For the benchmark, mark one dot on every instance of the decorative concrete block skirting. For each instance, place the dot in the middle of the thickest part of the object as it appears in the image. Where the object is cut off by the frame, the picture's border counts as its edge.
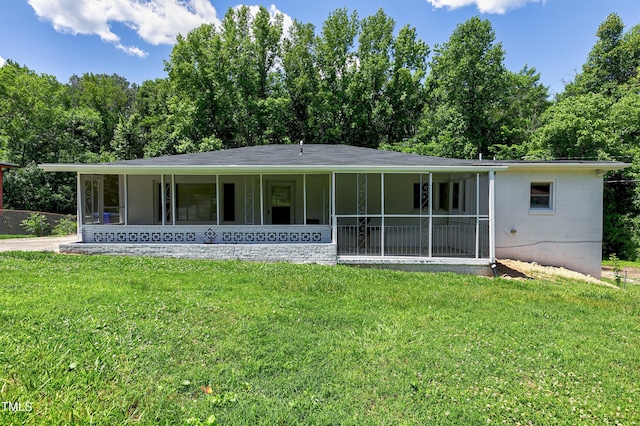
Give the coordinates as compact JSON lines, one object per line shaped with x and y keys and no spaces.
{"x":323,"y":254}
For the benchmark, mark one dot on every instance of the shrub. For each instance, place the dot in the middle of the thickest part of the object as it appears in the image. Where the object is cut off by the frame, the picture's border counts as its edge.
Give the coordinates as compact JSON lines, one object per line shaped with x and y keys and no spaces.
{"x":36,"y":224}
{"x":66,"y":226}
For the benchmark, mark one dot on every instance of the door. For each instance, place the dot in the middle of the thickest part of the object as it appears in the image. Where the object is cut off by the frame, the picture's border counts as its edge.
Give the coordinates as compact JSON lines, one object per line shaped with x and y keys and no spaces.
{"x":281,"y":197}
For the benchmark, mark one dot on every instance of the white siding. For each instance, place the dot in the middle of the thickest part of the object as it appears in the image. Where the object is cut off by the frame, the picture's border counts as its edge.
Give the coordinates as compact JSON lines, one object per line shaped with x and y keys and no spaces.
{"x":569,"y":236}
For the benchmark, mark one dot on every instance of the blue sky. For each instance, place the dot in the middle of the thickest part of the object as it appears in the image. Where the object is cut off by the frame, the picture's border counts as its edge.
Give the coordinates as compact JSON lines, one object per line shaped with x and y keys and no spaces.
{"x":132,"y":38}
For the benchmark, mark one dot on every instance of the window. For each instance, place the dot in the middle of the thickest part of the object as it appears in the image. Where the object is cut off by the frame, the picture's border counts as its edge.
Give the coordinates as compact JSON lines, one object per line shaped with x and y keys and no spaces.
{"x":541,"y":196}
{"x":455,"y":201}
{"x":229,"y":202}
{"x":443,"y":196}
{"x":196,"y":202}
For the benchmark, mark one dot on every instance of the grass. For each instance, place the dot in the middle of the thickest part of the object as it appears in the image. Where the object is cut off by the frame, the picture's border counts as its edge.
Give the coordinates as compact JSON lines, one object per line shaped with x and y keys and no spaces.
{"x":9,"y":237}
{"x":109,"y":340}
{"x":622,"y":263}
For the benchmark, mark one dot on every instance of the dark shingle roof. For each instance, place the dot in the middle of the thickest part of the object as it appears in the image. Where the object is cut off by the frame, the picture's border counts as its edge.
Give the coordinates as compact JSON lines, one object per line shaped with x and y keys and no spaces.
{"x":289,"y":155}
{"x":315,"y":158}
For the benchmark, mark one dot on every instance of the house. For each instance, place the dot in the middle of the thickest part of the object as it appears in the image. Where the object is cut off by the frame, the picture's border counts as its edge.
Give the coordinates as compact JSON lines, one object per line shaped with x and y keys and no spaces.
{"x":341,"y":204}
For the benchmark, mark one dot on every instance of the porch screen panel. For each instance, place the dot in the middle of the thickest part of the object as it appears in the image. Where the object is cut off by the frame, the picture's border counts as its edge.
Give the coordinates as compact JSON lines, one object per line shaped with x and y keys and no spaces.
{"x":195,"y":202}
{"x":359,"y":213}
{"x":102,"y":199}
{"x":318,"y":196}
{"x":91,"y":199}
{"x":196,"y":199}
{"x":113,"y":199}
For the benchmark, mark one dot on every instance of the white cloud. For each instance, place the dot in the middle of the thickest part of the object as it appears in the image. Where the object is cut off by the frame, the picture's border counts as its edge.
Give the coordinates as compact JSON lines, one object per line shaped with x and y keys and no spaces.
{"x":484,"y":6}
{"x":287,"y":21}
{"x":155,"y":21}
{"x":2,"y":61}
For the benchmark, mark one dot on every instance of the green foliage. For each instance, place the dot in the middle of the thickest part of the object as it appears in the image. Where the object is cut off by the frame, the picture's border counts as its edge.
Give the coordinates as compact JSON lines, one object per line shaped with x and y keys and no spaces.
{"x":36,"y":224}
{"x":616,"y":268}
{"x":577,"y":127}
{"x":166,"y":341}
{"x":475,"y":105}
{"x":66,"y":226}
{"x":29,"y":188}
{"x":612,"y":62}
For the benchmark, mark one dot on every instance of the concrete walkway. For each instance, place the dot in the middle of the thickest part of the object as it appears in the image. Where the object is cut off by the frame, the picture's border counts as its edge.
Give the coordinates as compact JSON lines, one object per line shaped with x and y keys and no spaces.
{"x":36,"y":244}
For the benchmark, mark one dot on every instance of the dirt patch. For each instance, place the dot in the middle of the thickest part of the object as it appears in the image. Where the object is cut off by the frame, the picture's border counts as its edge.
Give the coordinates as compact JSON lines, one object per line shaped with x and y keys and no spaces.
{"x":516,"y":269}
{"x":627,"y":275}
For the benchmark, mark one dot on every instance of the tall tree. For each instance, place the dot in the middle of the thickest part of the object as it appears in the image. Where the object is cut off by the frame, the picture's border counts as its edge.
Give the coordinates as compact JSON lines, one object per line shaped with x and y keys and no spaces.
{"x":301,"y":79}
{"x":405,"y":90}
{"x":336,"y":61}
{"x":520,"y":115}
{"x":612,"y":62}
{"x":224,"y":79}
{"x":111,"y":96}
{"x":466,"y":89}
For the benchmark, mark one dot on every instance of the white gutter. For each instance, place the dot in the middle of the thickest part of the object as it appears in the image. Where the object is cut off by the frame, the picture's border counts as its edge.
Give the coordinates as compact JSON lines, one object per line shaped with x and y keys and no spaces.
{"x":200,"y":170}
{"x":605,"y":166}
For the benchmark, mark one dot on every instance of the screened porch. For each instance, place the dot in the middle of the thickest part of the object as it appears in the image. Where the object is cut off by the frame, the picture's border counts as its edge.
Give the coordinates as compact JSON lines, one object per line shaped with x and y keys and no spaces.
{"x":429,"y":215}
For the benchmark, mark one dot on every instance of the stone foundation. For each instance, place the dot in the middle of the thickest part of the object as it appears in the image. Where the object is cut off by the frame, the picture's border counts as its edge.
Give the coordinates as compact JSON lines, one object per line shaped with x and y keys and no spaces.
{"x":323,"y":254}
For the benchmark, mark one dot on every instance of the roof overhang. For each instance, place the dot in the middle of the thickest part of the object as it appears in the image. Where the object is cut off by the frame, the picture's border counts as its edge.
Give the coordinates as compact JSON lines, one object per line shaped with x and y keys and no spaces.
{"x":231,"y":169}
{"x":602,"y":166}
{"x":7,"y":165}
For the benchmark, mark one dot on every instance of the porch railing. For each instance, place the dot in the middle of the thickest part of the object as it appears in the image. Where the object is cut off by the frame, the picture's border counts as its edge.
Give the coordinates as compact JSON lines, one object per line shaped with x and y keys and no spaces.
{"x":457,"y":240}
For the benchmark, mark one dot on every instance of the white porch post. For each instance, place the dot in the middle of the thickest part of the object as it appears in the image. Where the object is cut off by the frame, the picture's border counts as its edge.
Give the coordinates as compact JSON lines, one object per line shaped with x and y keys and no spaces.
{"x":477,"y":215}
{"x":492,"y":217}
{"x":173,"y":200}
{"x":334,"y":221}
{"x":163,"y":198}
{"x":304,"y":198}
{"x":80,"y":206}
{"x":261,"y":201}
{"x":430,"y":214}
{"x":126,"y":199}
{"x":218,"y":200}
{"x":382,"y":211}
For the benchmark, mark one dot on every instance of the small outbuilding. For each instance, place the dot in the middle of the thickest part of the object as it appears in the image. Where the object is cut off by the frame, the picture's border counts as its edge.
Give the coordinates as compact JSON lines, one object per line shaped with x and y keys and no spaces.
{"x":338,"y":204}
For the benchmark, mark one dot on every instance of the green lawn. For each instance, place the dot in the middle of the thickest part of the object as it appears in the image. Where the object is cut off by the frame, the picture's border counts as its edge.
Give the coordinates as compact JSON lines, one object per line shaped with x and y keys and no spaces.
{"x":111,"y":340}
{"x":10,"y":237}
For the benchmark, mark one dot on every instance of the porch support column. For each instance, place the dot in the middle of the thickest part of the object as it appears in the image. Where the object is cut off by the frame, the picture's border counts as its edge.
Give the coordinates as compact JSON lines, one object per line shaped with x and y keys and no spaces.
{"x":173,"y":200}
{"x":304,"y":198}
{"x":382,"y":211}
{"x":477,"y":215}
{"x":163,"y":198}
{"x":125,"y":178}
{"x":79,"y":206}
{"x":218,"y":200}
{"x":492,"y":218}
{"x":430,"y":214}
{"x":261,"y":201}
{"x":334,"y":221}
